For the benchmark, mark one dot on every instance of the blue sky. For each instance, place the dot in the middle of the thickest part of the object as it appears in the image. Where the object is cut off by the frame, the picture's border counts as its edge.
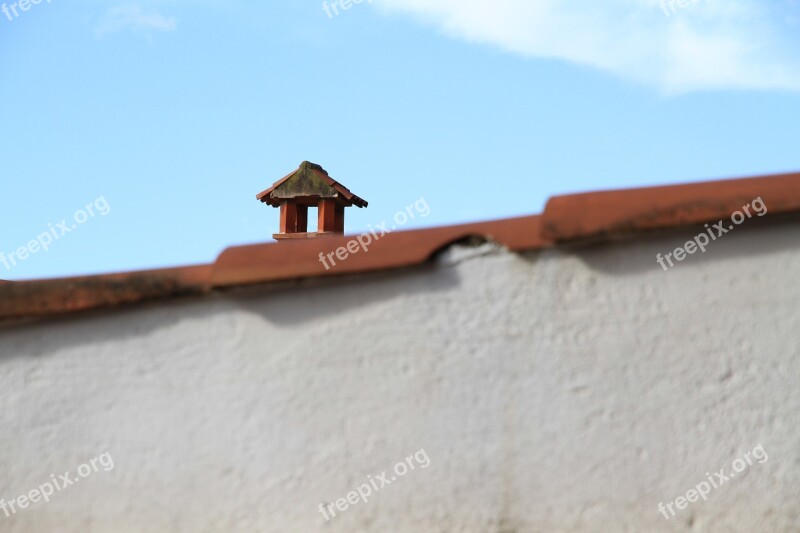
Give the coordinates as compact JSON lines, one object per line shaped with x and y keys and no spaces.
{"x":175,"y":114}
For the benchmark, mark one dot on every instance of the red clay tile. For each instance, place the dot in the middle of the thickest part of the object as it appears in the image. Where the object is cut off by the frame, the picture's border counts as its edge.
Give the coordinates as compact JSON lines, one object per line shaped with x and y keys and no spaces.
{"x":41,"y":298}
{"x":609,"y":213}
{"x":261,"y":263}
{"x":566,"y":218}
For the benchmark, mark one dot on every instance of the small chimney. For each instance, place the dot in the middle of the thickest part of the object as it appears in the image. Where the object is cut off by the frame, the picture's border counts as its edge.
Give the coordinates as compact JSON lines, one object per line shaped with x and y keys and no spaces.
{"x":309,"y":186}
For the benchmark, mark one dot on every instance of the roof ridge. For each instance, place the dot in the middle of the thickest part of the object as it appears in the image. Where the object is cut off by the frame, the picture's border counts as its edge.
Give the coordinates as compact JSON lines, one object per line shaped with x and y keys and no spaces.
{"x":566,"y":218}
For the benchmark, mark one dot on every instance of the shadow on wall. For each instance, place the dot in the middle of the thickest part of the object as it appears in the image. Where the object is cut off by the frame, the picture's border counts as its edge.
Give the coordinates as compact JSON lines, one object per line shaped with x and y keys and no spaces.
{"x":321,"y":297}
{"x":287,"y":303}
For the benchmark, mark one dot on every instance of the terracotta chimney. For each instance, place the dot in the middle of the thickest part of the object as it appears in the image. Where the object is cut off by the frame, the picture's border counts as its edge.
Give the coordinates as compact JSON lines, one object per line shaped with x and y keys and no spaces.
{"x":309,"y":186}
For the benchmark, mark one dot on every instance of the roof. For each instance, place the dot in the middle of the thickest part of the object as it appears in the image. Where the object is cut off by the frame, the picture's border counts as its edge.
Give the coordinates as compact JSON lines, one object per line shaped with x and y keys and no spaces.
{"x":573,"y":218}
{"x":312,"y":171}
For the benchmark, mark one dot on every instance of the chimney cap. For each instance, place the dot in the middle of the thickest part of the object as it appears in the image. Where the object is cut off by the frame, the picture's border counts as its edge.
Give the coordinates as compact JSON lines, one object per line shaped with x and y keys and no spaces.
{"x":309,"y":180}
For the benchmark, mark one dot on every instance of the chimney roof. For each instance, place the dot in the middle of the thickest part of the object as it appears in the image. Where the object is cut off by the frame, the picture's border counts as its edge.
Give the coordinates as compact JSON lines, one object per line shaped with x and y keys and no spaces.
{"x":308,"y":173}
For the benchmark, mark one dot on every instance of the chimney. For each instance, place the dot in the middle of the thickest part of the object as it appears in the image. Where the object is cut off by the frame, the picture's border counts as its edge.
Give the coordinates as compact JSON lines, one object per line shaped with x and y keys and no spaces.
{"x":309,"y":186}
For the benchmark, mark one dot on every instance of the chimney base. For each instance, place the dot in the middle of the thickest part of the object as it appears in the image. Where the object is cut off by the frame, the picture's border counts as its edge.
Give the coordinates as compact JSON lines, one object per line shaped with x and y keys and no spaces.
{"x":300,"y":236}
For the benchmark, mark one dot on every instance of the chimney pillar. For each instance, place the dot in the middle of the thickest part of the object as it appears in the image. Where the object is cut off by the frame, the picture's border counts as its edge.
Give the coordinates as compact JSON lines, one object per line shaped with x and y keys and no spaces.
{"x":288,"y":217}
{"x":339,"y":219}
{"x":327,"y":216}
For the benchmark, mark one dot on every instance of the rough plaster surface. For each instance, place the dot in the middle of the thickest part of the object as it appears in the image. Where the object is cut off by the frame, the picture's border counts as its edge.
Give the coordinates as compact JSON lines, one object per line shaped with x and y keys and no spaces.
{"x":568,"y":390}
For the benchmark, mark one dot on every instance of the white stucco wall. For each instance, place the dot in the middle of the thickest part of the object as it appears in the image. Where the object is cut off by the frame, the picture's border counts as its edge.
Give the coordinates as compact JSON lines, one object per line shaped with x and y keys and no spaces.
{"x":568,"y":390}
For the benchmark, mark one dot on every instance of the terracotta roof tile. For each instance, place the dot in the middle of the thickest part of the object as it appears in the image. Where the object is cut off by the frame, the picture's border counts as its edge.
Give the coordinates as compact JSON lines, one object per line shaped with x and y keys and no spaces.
{"x":609,"y":213}
{"x":301,"y":259}
{"x":574,"y":217}
{"x":41,"y":298}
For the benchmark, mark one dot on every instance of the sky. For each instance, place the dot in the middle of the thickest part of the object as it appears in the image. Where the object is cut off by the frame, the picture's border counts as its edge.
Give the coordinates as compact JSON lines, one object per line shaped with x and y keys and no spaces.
{"x":137,"y":134}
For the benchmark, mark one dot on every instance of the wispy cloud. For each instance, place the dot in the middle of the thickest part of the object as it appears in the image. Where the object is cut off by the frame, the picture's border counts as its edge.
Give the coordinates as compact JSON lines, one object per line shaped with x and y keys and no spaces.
{"x":133,"y":18}
{"x":705,"y":45}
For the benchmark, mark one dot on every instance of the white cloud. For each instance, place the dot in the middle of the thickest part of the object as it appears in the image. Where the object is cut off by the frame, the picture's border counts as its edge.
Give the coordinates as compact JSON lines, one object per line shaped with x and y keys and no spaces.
{"x":708,"y":44}
{"x":132,"y":17}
